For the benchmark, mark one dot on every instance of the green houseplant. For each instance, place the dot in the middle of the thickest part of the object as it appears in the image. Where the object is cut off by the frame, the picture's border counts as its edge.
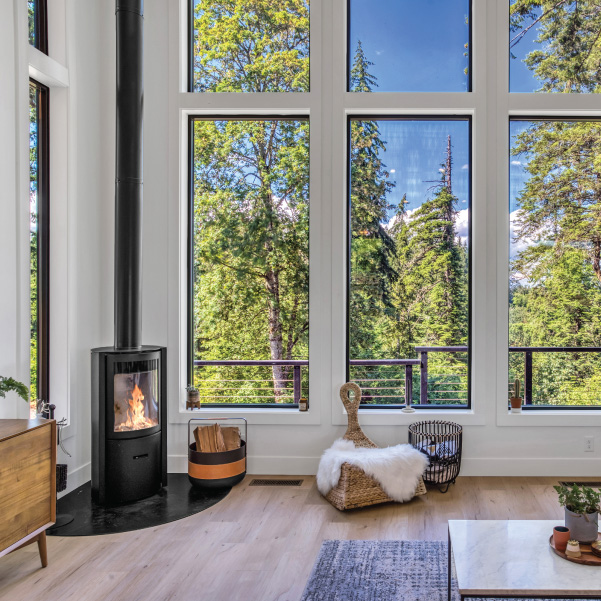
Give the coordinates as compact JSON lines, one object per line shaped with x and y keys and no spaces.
{"x":12,"y":385}
{"x":581,"y":511}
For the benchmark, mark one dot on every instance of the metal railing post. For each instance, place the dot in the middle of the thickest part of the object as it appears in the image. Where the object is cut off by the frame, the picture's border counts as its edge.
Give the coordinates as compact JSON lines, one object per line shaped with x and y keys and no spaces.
{"x":296,"y":383}
{"x":528,"y":378}
{"x":423,"y":378}
{"x":408,"y":385}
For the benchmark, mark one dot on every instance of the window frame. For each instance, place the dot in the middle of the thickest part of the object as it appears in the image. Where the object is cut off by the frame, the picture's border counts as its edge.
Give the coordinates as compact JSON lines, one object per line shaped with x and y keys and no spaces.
{"x":40,"y":12}
{"x":408,"y":117}
{"x":531,"y":118}
{"x":489,"y":104}
{"x":43,"y":234}
{"x":190,"y":251}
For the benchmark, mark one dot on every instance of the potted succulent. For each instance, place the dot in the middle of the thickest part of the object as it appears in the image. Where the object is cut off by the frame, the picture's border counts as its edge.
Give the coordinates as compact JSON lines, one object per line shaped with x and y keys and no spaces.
{"x":581,"y":510}
{"x":193,"y":400}
{"x":12,"y":385}
{"x":516,"y":399}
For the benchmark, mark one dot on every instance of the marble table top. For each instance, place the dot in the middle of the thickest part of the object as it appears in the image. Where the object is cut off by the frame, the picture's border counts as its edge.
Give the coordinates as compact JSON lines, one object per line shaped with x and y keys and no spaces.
{"x":513,"y":557}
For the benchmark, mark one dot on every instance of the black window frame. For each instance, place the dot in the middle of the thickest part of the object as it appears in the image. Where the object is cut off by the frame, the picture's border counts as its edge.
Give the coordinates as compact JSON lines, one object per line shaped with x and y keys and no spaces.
{"x":530,"y":118}
{"x":43,"y":233}
{"x":190,"y":250}
{"x":40,"y":25}
{"x":432,"y":117}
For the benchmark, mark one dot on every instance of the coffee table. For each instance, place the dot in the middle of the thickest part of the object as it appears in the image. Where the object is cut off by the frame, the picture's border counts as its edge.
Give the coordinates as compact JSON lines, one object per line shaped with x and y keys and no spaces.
{"x":496,"y":559}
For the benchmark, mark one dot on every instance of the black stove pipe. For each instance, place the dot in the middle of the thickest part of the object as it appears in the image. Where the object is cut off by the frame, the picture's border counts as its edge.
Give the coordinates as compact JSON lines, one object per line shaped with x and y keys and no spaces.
{"x":128,"y":174}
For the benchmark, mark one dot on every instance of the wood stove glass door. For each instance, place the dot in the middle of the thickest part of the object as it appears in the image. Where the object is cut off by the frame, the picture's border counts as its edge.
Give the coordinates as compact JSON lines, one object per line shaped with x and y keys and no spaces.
{"x":136,"y":395}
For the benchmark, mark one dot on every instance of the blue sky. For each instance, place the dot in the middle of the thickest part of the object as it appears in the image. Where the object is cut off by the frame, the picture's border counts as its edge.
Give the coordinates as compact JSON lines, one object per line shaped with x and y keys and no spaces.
{"x":415,"y":150}
{"x":416,"y":46}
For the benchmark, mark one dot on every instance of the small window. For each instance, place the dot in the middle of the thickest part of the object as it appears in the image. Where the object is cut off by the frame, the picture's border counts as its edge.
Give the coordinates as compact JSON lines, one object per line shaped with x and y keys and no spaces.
{"x":38,"y":24}
{"x":554,"y":46}
{"x":249,"y":47}
{"x":409,"y":239}
{"x":39,"y":239}
{"x":409,"y":46}
{"x":249,"y":261}
{"x":555,"y":262}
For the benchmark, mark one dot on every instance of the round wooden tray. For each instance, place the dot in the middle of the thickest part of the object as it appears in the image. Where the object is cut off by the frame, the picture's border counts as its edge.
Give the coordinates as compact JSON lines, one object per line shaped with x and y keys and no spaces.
{"x":587,"y":557}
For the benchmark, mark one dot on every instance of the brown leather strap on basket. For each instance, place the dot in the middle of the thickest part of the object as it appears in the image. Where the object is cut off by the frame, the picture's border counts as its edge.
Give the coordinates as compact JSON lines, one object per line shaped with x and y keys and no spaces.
{"x":354,"y":432}
{"x":215,"y":472}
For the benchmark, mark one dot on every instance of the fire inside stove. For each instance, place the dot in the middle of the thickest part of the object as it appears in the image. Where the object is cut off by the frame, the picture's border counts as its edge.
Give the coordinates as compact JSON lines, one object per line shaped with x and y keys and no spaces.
{"x":136,"y":406}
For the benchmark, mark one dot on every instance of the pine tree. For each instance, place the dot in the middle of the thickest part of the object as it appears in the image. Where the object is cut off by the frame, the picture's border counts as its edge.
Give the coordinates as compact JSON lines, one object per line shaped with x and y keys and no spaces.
{"x":371,"y":244}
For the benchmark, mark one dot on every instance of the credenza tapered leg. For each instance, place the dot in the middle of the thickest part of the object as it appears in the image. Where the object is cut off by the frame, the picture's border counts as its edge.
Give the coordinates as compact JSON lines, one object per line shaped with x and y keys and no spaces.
{"x":42,"y":548}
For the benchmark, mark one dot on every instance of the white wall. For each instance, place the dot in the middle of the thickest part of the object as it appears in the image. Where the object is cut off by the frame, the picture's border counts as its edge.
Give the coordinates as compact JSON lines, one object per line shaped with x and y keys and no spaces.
{"x":490,"y":447}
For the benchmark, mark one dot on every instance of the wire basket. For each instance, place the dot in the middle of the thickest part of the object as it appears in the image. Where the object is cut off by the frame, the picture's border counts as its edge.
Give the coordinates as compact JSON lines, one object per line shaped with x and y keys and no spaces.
{"x":441,"y":442}
{"x":61,"y":477}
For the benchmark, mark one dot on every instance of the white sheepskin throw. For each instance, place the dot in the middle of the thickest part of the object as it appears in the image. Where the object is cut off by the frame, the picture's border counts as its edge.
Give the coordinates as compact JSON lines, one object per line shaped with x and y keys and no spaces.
{"x":397,"y":469}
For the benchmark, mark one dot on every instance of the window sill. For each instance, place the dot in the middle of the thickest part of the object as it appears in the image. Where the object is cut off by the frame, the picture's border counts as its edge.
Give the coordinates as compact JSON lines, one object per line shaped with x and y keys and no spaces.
{"x":550,"y":417}
{"x":395,"y":417}
{"x":253,"y":416}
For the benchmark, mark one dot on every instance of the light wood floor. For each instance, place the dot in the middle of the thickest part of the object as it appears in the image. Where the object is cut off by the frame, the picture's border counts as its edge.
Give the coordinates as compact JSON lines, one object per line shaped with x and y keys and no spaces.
{"x":258,"y":544}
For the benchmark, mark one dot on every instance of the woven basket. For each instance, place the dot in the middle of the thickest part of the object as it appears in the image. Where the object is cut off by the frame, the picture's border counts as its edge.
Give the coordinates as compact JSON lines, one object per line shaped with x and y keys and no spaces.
{"x":355,"y":488}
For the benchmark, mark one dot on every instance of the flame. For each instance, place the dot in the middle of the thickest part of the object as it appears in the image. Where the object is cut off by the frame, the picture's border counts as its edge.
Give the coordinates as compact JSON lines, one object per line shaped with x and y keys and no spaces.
{"x":136,"y":420}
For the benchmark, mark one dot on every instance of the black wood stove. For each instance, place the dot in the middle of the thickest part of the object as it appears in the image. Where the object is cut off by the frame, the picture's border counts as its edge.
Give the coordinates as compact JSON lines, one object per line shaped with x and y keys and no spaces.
{"x":129,"y":384}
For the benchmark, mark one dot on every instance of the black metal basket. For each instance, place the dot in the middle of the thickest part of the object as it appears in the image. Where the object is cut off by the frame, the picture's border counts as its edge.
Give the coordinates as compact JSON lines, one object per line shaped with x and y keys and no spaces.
{"x":441,"y":442}
{"x":61,"y":477}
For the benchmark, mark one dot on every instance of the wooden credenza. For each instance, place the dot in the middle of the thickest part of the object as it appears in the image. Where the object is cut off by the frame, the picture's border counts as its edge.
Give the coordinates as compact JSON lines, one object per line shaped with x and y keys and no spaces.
{"x":27,"y":483}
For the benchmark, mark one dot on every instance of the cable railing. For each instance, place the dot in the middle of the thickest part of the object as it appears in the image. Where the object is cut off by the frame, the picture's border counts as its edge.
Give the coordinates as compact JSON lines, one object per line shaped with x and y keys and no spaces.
{"x":384,"y":382}
{"x":438,"y":377}
{"x":558,"y":382}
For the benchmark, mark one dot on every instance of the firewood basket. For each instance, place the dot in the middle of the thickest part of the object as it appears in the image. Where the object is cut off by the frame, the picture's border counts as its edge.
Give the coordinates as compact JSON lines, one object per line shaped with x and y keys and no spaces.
{"x":220,"y":469}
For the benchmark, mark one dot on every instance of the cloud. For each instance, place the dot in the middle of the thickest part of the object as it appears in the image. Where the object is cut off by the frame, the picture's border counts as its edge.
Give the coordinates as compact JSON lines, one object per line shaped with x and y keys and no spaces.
{"x":518,"y":163}
{"x":462,"y":224}
{"x":466,"y":166}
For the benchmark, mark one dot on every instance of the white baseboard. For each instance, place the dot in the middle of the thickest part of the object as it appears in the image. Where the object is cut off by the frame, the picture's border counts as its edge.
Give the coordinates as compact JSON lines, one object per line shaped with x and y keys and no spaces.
{"x":77,"y":477}
{"x":303,"y":466}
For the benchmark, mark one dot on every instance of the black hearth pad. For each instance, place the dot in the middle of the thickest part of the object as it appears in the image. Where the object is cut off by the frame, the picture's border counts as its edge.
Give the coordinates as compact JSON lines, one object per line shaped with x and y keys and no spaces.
{"x":176,"y":501}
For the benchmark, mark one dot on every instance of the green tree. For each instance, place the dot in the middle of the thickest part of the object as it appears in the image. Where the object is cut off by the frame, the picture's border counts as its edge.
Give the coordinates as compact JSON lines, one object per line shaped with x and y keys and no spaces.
{"x":251,"y":188}
{"x":569,"y":57}
{"x":251,"y":46}
{"x":556,"y":278}
{"x":371,"y":244}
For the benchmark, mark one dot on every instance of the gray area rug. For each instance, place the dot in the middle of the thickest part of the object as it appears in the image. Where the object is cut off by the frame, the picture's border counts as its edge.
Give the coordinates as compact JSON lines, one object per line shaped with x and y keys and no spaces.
{"x":386,"y":570}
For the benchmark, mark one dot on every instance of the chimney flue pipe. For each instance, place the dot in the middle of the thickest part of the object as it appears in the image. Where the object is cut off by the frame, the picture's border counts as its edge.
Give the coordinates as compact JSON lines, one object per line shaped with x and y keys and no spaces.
{"x":128,"y":174}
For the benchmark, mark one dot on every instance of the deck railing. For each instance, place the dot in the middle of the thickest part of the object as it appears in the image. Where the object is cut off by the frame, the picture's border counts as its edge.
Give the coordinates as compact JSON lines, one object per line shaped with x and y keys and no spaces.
{"x":379,"y":389}
{"x":384,"y":382}
{"x":529,"y":353}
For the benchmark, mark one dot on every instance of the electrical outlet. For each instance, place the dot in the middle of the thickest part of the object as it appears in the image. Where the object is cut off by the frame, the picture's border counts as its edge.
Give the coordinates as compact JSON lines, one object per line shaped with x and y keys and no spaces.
{"x":589,"y":444}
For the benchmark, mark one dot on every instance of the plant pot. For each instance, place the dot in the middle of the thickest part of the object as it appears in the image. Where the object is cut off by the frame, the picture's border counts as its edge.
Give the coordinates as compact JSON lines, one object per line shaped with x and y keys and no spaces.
{"x":583,"y":527}
{"x":193,"y":400}
{"x":561,"y":536}
{"x":516,"y":404}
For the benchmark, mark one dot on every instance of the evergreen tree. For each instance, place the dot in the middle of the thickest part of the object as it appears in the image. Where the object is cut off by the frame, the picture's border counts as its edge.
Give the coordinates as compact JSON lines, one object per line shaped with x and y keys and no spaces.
{"x":371,"y":244}
{"x":569,"y":58}
{"x":556,"y":285}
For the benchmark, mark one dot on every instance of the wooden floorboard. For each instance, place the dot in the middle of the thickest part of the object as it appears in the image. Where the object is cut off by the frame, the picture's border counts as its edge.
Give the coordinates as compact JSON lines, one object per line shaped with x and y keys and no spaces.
{"x":258,"y":544}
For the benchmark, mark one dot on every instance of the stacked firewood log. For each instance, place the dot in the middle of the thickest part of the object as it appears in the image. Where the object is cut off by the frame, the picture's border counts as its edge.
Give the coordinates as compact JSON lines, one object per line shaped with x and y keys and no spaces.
{"x":216,"y":439}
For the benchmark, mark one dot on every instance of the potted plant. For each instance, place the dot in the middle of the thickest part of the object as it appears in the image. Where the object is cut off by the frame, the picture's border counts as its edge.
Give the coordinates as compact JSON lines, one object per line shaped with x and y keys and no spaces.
{"x":12,"y":385}
{"x":581,"y":510}
{"x":193,"y":400}
{"x":516,"y":399}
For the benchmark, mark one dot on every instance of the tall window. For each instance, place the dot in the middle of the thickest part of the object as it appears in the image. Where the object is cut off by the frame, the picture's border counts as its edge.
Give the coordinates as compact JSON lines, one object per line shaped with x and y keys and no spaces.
{"x":38,"y":24}
{"x":555,"y":209}
{"x":39,"y":239}
{"x":249,"y":260}
{"x":249,"y":208}
{"x":409,"y":259}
